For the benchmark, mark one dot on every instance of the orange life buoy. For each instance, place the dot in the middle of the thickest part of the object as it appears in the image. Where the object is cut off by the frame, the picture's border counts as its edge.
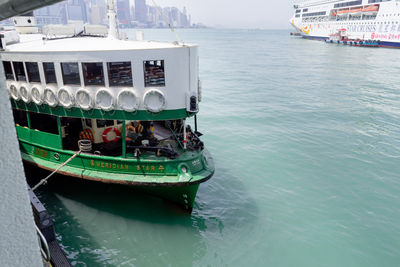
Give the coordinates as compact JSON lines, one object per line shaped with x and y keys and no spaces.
{"x":107,"y":138}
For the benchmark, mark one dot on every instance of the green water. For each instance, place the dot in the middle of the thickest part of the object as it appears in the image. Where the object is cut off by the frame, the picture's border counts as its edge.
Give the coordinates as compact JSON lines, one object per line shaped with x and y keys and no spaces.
{"x":306,"y":142}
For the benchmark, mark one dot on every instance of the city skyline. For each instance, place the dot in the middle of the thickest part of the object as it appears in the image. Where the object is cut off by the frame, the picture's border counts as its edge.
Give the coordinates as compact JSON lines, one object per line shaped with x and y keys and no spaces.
{"x":95,"y":12}
{"x":253,"y":14}
{"x":264,"y":14}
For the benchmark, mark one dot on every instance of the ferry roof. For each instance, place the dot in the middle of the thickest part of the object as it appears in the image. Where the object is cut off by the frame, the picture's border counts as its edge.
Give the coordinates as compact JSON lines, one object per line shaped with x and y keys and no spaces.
{"x":35,"y":43}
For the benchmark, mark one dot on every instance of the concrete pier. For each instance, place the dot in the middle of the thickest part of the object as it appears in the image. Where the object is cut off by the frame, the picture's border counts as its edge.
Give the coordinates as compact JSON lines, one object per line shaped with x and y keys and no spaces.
{"x":19,"y":243}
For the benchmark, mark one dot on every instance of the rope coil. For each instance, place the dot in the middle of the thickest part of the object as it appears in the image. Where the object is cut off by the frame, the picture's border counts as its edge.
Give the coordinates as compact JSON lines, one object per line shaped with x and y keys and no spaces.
{"x":85,"y":145}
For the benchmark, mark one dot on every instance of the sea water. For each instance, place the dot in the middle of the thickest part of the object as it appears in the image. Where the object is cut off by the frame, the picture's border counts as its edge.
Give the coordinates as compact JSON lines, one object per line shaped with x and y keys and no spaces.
{"x":306,"y":141}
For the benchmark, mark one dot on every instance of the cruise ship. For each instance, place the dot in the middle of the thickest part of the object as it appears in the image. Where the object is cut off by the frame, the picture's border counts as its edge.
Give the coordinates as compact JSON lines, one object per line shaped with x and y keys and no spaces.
{"x":360,"y":20}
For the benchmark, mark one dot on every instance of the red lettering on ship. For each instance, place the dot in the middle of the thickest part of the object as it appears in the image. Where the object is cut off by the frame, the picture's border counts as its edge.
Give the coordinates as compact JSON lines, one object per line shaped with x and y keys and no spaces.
{"x":41,"y":153}
{"x":390,"y":36}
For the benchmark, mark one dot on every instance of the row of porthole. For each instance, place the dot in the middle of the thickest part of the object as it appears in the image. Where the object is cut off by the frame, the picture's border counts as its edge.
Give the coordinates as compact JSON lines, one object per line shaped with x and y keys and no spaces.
{"x":127,"y":99}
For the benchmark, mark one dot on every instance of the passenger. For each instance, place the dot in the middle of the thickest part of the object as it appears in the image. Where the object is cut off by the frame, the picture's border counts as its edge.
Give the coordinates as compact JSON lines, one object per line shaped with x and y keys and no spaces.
{"x":134,"y":131}
{"x":152,"y":138}
{"x":131,"y":134}
{"x":138,"y":127}
{"x":148,"y":133}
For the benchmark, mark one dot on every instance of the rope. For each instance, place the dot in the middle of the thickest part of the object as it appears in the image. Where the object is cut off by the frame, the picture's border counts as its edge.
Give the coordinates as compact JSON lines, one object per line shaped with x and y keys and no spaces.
{"x":176,"y":138}
{"x":166,"y":21}
{"x":44,"y":181}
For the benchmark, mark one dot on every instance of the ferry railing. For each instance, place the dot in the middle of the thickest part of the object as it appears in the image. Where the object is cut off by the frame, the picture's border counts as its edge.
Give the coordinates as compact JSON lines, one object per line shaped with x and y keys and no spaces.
{"x":44,"y":247}
{"x":45,"y":229}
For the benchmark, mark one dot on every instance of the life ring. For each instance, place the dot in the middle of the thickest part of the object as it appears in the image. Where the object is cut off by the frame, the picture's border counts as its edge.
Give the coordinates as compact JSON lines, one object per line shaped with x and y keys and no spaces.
{"x":154,"y":100}
{"x":107,"y":138}
{"x":87,"y":134}
{"x":84,"y":99}
{"x":66,"y":97}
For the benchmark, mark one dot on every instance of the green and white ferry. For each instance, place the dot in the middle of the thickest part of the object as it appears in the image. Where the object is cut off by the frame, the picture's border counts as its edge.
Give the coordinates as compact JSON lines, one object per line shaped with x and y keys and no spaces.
{"x":117,"y":107}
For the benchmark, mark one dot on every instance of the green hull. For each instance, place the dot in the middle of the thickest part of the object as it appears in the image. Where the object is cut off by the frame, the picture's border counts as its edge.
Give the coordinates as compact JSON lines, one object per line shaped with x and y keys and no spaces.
{"x":184,"y":195}
{"x":157,"y":176}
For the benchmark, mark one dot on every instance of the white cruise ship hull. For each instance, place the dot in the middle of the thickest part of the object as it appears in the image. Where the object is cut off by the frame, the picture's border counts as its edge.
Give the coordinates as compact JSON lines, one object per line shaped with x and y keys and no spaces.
{"x":360,"y":19}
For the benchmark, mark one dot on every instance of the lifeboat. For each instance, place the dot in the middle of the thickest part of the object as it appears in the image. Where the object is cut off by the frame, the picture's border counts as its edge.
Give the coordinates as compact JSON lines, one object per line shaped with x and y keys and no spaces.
{"x":373,"y":8}
{"x":343,"y":12}
{"x":355,"y":10}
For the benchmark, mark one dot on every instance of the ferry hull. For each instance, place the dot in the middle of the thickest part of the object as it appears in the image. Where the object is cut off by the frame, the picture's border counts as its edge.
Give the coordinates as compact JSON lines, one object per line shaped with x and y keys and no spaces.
{"x":381,"y":44}
{"x":179,"y":189}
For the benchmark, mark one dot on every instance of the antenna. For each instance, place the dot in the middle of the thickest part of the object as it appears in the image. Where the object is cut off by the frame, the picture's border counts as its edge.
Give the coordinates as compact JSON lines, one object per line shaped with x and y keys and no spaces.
{"x":112,"y":20}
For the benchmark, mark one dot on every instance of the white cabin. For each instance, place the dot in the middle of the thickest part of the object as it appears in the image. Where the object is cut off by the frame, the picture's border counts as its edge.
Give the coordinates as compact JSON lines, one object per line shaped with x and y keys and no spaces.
{"x":101,"y":73}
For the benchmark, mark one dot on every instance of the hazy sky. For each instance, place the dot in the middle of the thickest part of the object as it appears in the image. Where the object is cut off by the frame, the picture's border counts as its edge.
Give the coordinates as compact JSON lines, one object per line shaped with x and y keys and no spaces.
{"x":265,"y":14}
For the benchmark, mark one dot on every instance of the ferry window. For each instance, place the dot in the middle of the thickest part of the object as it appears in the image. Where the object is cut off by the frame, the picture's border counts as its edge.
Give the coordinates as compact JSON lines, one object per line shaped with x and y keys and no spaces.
{"x":154,"y":73}
{"x":8,"y":70}
{"x":88,"y":123}
{"x":20,"y":117}
{"x":70,"y":72}
{"x":33,"y":72}
{"x":43,"y":122}
{"x":104,"y":123}
{"x":49,"y":72}
{"x":19,"y":71}
{"x":120,"y":73}
{"x":93,"y":73}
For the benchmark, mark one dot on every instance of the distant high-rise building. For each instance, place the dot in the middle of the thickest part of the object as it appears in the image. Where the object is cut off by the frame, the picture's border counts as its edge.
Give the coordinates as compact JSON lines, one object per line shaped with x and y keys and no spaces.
{"x":141,"y":11}
{"x":97,"y":14}
{"x":76,"y":10}
{"x":184,"y":19}
{"x":54,"y":14}
{"x":123,"y":11}
{"x":175,"y":17}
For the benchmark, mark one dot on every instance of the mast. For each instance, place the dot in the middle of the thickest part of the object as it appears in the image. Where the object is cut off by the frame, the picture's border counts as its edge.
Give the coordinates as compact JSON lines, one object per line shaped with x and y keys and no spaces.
{"x":112,"y":20}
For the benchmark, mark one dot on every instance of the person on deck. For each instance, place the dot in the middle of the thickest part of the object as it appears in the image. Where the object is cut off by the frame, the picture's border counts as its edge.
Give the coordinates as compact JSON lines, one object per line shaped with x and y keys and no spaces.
{"x":134,"y":130}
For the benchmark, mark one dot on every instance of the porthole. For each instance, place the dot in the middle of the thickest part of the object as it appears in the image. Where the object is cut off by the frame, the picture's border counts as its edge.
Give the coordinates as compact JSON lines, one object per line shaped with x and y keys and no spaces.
{"x":127,"y":100}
